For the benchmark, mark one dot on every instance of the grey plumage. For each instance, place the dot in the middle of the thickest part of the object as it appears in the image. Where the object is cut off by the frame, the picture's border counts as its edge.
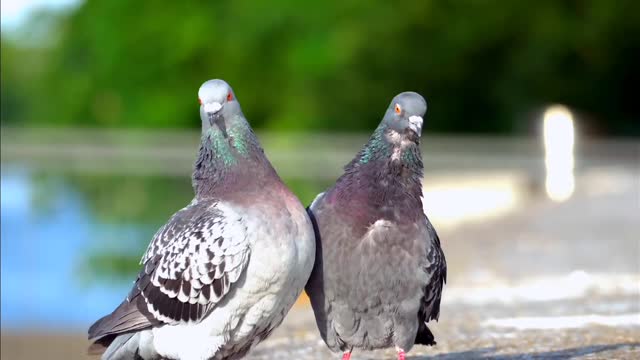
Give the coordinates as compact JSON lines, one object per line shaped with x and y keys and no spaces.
{"x":379,"y":267}
{"x":211,"y":285}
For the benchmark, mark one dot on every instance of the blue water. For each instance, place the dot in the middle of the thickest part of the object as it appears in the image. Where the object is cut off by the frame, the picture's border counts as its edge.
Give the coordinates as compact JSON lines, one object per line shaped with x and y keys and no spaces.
{"x":42,"y":254}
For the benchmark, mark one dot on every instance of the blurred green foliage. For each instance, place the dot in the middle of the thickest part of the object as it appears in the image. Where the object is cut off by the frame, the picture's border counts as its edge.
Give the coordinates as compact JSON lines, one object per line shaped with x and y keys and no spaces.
{"x":144,"y":201}
{"x":484,"y":66}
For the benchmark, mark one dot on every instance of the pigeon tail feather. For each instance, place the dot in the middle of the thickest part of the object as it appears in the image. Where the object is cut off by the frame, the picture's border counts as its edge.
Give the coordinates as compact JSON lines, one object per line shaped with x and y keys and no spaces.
{"x":425,"y":336}
{"x":125,"y":318}
{"x":123,"y":347}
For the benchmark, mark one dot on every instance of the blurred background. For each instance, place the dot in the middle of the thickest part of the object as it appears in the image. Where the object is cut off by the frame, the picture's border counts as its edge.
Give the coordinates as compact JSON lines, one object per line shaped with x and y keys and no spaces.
{"x":531,"y":149}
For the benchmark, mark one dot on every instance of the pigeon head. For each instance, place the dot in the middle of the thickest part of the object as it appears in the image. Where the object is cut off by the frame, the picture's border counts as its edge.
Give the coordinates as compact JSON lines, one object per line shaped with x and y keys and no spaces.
{"x":404,"y":116}
{"x":228,"y":145}
{"x":218,"y":104}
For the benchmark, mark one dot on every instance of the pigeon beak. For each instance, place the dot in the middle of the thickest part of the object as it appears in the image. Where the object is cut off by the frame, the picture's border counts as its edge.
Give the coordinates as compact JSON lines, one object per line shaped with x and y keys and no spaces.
{"x":212,"y":110}
{"x":212,"y":107}
{"x":415,"y":124}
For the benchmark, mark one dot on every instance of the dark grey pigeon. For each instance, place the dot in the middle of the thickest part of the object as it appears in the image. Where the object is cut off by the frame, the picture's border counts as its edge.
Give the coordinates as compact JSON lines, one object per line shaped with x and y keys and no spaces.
{"x":220,"y":276}
{"x":379,"y":268}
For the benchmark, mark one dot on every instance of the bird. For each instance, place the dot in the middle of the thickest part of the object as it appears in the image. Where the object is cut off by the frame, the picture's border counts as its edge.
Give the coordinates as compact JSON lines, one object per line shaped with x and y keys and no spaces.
{"x":380,"y":269}
{"x":223,"y":272}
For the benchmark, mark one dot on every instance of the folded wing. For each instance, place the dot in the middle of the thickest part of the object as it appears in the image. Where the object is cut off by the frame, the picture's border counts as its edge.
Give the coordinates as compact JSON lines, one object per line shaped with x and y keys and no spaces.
{"x":191,"y":264}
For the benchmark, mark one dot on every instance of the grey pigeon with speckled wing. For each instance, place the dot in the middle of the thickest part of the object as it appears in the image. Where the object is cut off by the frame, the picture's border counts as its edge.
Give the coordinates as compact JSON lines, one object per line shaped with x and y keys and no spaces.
{"x":379,"y":269}
{"x":220,"y":276}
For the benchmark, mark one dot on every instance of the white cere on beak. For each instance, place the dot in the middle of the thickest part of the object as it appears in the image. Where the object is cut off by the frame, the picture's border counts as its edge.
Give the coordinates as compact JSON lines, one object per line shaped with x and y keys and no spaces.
{"x":416,"y":123}
{"x":212,"y":107}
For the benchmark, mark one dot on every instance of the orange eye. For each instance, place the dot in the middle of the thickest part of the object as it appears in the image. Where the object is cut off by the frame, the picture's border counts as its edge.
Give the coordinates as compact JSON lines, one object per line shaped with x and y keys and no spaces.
{"x":229,"y":96}
{"x":200,"y":101}
{"x":398,"y":109}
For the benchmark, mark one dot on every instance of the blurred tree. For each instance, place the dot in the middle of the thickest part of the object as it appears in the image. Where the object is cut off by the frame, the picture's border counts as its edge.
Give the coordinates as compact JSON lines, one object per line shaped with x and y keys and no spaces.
{"x":482,"y":65}
{"x":21,"y":68}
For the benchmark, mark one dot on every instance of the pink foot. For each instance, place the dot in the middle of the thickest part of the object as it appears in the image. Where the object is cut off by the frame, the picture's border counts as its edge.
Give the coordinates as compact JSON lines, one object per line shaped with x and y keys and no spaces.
{"x":346,"y":355}
{"x":401,"y":355}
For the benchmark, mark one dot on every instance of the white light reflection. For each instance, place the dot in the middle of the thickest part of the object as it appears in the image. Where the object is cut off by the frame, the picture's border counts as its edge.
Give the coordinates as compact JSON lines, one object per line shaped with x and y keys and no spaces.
{"x":565,"y":322}
{"x":558,"y":146}
{"x":452,"y":199}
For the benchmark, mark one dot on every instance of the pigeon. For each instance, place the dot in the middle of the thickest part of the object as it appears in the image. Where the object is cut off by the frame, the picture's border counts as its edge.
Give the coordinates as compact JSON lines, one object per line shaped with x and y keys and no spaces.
{"x":379,"y":269}
{"x":222,"y":273}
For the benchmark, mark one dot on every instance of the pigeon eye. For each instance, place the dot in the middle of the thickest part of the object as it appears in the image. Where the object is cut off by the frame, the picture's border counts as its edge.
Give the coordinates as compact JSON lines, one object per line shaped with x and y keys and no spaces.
{"x":200,"y":101}
{"x":398,"y":109}
{"x":229,"y":96}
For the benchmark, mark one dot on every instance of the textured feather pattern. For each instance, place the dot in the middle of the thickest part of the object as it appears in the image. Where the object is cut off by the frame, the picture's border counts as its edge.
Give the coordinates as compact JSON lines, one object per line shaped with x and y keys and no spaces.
{"x":377,"y":286}
{"x":192,"y":262}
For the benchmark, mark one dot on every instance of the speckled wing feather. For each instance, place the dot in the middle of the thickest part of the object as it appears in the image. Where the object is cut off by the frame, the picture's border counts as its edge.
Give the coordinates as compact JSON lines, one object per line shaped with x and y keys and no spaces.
{"x":191,"y":264}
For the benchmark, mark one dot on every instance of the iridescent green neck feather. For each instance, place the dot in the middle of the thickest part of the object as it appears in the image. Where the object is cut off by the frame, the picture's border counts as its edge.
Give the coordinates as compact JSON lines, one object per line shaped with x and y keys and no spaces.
{"x":383,"y":162}
{"x":220,"y":156}
{"x":219,"y":146}
{"x":377,"y":147}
